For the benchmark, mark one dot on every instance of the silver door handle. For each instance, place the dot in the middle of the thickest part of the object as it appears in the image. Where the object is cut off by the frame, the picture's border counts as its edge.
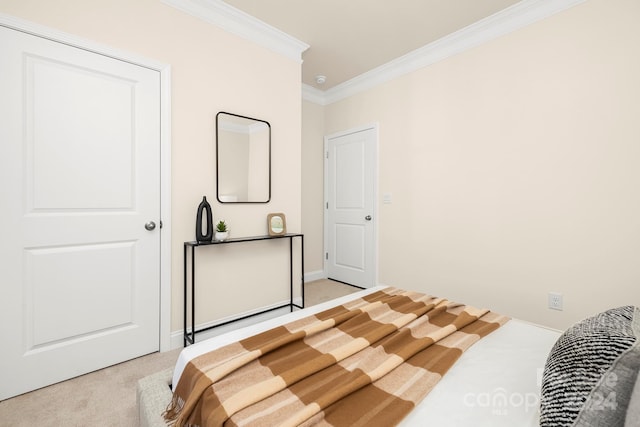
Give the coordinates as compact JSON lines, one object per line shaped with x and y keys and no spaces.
{"x":150,"y":225}
{"x":368,"y":217}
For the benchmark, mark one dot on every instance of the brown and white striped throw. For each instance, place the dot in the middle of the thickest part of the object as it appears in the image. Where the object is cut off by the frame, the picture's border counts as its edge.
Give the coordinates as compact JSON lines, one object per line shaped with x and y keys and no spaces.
{"x":366,"y":362}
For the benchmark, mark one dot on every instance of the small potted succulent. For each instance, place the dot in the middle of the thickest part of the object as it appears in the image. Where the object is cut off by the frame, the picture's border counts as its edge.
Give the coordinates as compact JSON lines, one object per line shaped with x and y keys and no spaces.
{"x":221,"y":231}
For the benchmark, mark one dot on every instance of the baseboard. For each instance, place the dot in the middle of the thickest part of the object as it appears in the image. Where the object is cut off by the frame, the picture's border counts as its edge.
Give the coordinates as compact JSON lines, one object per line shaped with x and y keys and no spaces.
{"x":177,"y":338}
{"x":314,"y":275}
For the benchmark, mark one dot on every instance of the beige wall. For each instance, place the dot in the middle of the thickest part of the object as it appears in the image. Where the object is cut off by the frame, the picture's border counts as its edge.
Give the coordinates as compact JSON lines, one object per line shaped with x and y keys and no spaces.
{"x":515,"y":168}
{"x":212,"y":71}
{"x":313,"y":186}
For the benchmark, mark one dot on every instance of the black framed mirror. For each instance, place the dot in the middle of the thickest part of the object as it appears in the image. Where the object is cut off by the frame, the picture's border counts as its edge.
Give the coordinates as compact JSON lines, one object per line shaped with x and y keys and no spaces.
{"x":243,"y":159}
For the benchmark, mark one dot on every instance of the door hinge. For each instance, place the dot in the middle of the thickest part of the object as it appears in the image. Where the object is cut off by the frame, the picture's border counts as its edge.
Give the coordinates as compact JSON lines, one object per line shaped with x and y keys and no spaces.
{"x":326,"y":154}
{"x":327,"y":205}
{"x":326,"y":255}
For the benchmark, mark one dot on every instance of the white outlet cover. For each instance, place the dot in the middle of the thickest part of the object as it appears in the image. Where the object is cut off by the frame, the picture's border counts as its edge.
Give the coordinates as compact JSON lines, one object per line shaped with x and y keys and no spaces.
{"x":555,"y":301}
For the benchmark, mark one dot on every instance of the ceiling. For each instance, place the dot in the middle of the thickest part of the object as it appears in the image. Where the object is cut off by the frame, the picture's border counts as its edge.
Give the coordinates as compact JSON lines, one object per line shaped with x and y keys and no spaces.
{"x":350,"y":37}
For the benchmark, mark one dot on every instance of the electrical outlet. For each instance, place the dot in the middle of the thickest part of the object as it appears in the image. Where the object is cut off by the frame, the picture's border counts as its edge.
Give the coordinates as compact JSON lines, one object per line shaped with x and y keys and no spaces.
{"x":555,"y":301}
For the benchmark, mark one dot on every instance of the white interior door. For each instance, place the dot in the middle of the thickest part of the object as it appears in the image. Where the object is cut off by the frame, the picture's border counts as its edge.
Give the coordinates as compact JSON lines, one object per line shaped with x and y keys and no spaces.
{"x":350,"y":170}
{"x":80,"y":174}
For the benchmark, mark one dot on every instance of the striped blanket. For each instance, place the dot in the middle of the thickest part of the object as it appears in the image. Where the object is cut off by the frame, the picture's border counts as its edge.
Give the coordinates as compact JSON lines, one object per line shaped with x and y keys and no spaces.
{"x":366,"y":362}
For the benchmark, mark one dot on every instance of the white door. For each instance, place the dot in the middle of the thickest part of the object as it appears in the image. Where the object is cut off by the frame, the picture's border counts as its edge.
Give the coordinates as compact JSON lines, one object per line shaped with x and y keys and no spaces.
{"x":350,"y":170}
{"x":79,"y":173}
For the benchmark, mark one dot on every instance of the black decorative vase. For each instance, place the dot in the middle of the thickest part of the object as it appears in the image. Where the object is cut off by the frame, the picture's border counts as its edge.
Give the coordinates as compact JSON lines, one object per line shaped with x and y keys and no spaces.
{"x":204,"y":207}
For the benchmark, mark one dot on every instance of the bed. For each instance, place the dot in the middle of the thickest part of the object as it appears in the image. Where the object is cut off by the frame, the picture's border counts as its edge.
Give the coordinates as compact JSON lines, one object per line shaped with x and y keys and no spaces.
{"x":495,"y":382}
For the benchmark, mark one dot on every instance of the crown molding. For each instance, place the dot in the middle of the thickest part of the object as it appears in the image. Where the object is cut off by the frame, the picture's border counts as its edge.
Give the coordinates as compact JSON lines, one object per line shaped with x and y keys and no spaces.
{"x":519,"y":15}
{"x":312,"y":94}
{"x":235,"y":21}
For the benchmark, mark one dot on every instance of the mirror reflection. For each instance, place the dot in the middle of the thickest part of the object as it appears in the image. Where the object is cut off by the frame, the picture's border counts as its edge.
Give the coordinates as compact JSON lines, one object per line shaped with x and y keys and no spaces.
{"x":243,"y":159}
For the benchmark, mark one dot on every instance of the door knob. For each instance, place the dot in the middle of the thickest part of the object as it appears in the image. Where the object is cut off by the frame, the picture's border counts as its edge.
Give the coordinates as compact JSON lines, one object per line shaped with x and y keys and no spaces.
{"x":368,"y":217}
{"x":150,"y":225}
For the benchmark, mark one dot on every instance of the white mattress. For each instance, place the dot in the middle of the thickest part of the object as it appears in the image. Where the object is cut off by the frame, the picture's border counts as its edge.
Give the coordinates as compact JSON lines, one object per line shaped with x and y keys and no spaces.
{"x":494,"y":383}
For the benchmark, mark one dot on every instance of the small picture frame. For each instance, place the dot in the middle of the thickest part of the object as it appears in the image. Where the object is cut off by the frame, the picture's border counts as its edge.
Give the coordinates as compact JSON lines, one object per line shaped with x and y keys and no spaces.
{"x":276,"y":224}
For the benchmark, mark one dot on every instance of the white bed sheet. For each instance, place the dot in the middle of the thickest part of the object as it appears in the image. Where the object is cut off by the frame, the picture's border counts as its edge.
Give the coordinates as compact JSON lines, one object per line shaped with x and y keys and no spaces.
{"x":495,"y":383}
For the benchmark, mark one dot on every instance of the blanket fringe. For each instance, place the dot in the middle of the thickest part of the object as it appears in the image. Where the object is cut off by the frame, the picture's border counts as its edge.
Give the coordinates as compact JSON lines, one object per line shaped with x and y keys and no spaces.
{"x":173,"y":410}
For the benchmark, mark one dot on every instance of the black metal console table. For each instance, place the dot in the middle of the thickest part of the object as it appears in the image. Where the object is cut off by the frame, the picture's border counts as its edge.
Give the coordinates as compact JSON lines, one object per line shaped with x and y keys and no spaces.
{"x":190,"y":337}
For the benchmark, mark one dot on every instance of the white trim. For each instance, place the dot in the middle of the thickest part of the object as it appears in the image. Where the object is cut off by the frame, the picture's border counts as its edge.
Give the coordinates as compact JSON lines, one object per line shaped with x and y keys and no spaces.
{"x":314,"y":275}
{"x":52,"y":34}
{"x":165,"y":146}
{"x":235,"y":21}
{"x":513,"y":18}
{"x":165,"y":209}
{"x":311,"y":94}
{"x":376,"y":128}
{"x":177,"y":337}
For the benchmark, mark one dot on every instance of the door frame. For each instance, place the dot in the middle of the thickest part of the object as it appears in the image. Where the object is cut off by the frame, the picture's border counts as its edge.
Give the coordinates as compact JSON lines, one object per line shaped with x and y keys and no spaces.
{"x":371,"y":126}
{"x":164,"y":70}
